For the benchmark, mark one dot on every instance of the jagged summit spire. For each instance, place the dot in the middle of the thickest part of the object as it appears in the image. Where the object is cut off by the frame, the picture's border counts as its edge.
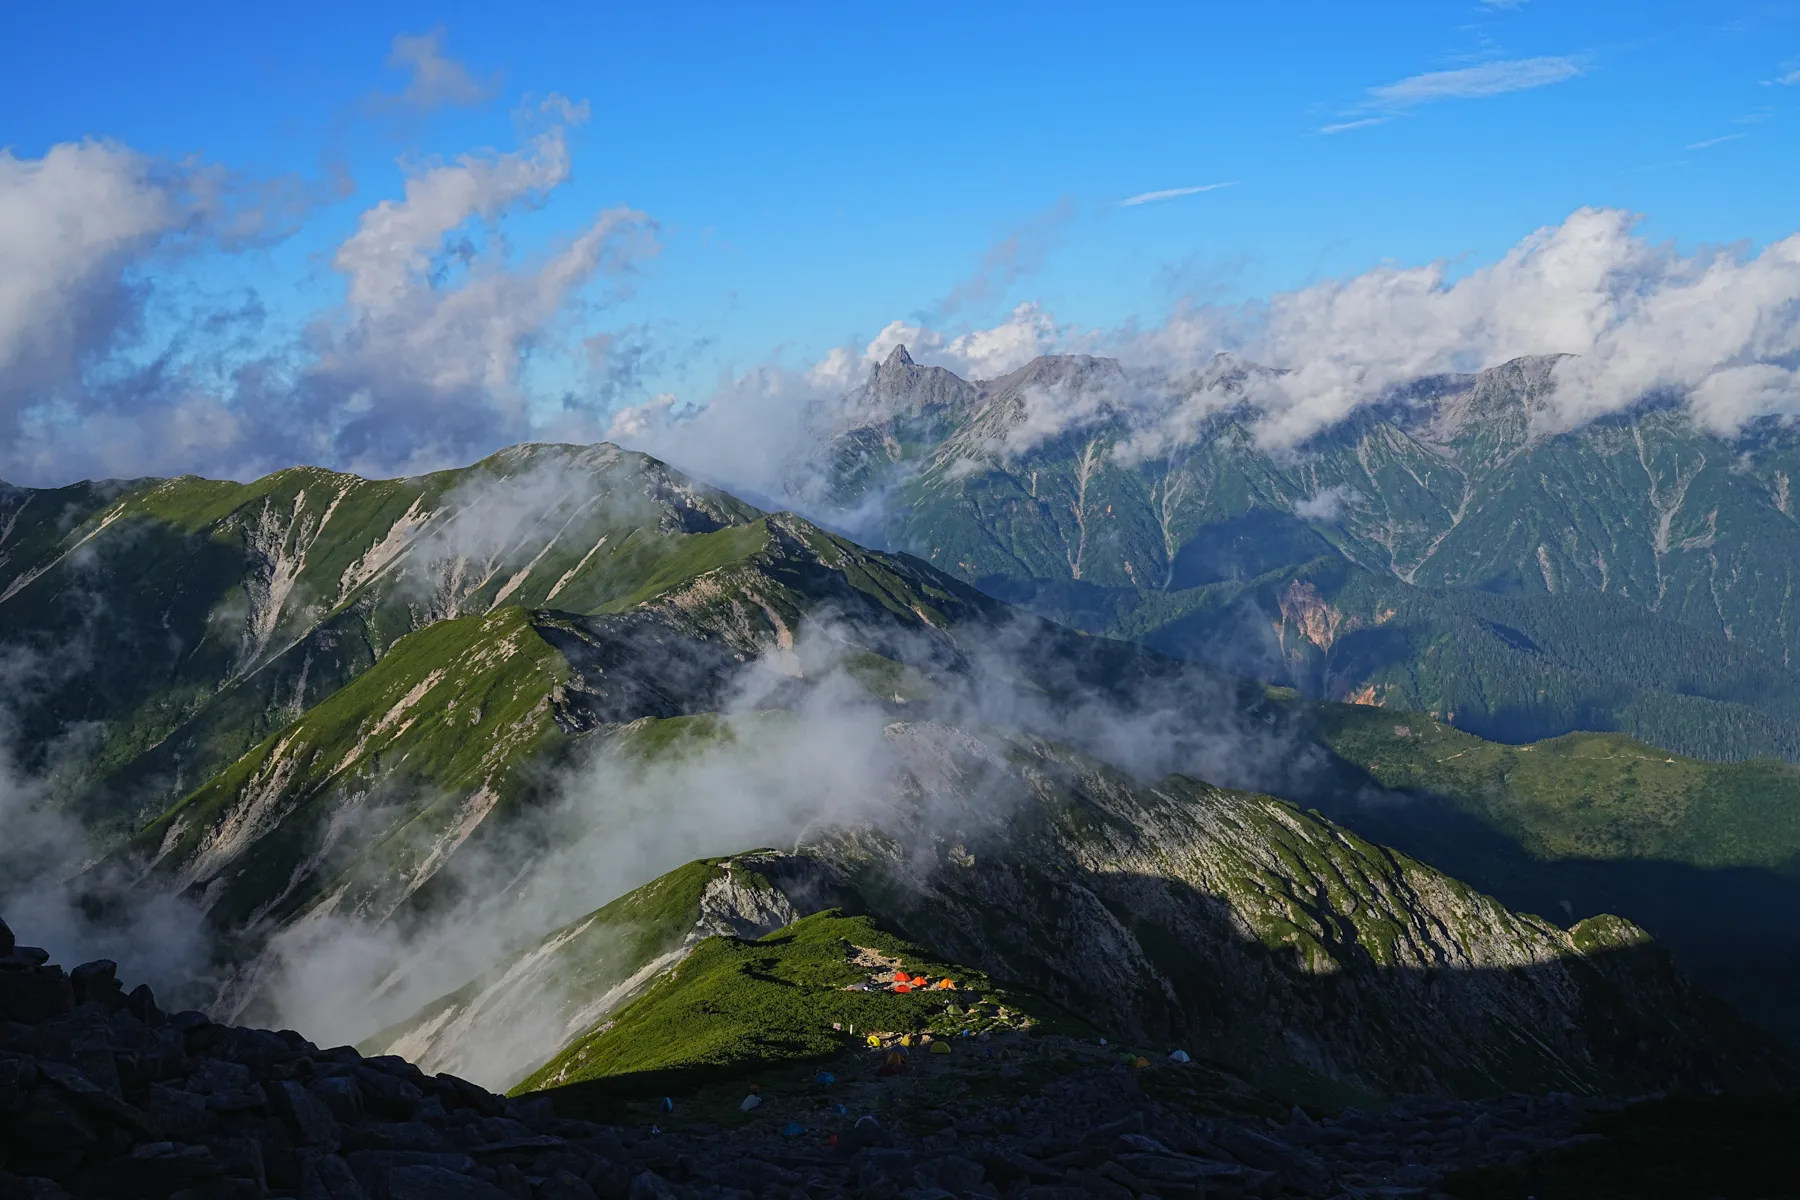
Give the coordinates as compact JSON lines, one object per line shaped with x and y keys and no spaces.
{"x":898,"y":357}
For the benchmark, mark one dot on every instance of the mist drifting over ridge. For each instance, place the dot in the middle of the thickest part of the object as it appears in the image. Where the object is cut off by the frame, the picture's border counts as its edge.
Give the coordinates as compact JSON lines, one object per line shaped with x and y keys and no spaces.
{"x":997,"y":602}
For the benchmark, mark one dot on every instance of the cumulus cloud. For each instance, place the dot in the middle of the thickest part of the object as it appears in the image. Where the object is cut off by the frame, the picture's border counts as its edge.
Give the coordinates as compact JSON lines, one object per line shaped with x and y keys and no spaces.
{"x":435,"y":80}
{"x":424,"y":364}
{"x":75,"y":224}
{"x":82,"y":229}
{"x":70,"y":223}
{"x":1720,"y":326}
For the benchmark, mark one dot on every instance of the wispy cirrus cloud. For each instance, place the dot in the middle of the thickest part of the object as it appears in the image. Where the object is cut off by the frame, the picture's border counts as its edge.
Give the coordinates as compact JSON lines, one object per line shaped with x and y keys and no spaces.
{"x":1172,"y":193}
{"x":1790,"y":75}
{"x":1347,"y":126}
{"x":1474,"y":83}
{"x":1716,"y":141}
{"x":1390,"y":100}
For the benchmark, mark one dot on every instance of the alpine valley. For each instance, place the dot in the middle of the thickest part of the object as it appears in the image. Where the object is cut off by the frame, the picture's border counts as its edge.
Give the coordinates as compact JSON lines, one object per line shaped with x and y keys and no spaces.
{"x":1442,"y":758}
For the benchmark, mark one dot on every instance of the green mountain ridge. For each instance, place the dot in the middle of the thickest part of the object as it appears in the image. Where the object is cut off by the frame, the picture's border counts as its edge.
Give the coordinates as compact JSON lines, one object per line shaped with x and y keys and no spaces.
{"x":319,"y":702}
{"x":187,"y":619}
{"x":1365,"y":972}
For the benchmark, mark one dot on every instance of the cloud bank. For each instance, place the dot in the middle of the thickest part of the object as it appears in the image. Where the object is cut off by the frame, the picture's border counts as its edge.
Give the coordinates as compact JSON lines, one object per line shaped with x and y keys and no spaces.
{"x":1717,"y":328}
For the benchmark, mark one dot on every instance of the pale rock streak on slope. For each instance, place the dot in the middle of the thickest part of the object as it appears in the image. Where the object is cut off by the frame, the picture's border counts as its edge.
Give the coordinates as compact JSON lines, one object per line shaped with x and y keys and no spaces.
{"x":380,"y":556}
{"x":257,"y":810}
{"x":388,"y":718}
{"x":575,"y":570}
{"x":277,"y":551}
{"x":18,"y":585}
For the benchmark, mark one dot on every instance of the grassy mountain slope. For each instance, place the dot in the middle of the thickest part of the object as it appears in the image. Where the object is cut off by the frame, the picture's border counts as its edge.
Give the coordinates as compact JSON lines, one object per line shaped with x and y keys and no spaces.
{"x":1304,"y":958}
{"x":1706,"y":856}
{"x":1130,"y":904}
{"x":362,"y":799}
{"x":376,"y":785}
{"x":1584,"y":795}
{"x":360,"y":732}
{"x":511,"y":1019}
{"x":783,"y":997}
{"x":175,"y":623}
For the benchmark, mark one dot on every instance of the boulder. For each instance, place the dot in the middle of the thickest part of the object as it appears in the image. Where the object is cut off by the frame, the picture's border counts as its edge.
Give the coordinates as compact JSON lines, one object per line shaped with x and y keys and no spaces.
{"x":306,"y":1117}
{"x":327,"y":1177}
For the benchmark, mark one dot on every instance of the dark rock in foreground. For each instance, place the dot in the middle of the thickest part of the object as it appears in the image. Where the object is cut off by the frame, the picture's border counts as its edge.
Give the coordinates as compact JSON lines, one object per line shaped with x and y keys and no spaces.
{"x":103,"y":1095}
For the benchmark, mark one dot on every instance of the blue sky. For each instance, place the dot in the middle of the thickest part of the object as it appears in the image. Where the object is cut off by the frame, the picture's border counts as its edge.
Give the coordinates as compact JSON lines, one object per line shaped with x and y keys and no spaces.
{"x":814,"y":172}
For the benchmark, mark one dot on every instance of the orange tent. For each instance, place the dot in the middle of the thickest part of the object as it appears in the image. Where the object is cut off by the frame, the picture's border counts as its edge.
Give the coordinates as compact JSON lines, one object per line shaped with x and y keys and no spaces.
{"x":946,"y":983}
{"x":903,"y":987}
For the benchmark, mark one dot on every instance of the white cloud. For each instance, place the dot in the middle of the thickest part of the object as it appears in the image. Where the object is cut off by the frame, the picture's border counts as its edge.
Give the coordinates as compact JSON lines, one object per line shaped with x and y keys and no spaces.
{"x":1027,"y":332}
{"x":81,"y":231}
{"x":1790,"y":74}
{"x":635,"y":422}
{"x":1347,"y":126}
{"x":1466,"y":83}
{"x":1327,"y":505}
{"x":1719,"y":326}
{"x":396,"y":242}
{"x":1717,"y":141}
{"x":71,"y":224}
{"x":435,"y":80}
{"x":424,"y":364}
{"x":440,"y":360}
{"x":1172,"y":193}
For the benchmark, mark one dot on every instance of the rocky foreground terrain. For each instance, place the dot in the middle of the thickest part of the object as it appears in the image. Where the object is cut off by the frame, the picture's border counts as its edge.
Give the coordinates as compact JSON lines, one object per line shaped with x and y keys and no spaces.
{"x":104,"y":1095}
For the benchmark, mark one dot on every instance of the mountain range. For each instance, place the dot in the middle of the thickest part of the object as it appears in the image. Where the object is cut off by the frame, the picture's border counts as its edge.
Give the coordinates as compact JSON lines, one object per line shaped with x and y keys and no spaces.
{"x":1449,"y":549}
{"x":444,"y":744}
